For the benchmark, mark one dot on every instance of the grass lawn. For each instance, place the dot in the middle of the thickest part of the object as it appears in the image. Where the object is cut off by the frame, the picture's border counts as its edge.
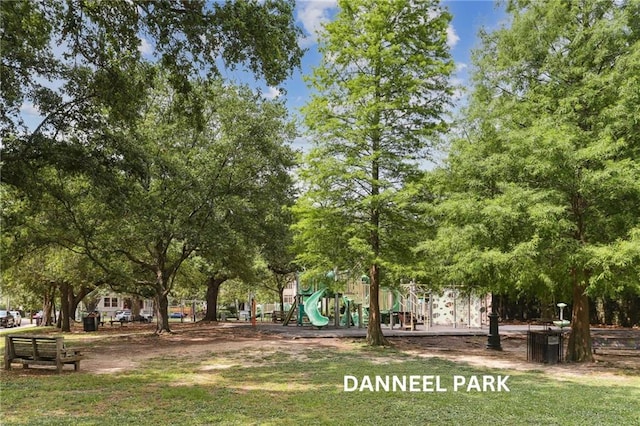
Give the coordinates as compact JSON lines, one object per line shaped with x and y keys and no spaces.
{"x":304,"y":384}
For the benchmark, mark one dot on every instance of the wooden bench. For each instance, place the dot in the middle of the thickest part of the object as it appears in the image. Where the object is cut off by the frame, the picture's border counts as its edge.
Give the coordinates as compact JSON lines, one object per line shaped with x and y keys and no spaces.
{"x":39,"y":350}
{"x":615,"y":343}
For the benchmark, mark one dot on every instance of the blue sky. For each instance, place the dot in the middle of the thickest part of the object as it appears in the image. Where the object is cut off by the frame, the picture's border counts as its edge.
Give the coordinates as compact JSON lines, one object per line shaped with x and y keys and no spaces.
{"x":468,"y":17}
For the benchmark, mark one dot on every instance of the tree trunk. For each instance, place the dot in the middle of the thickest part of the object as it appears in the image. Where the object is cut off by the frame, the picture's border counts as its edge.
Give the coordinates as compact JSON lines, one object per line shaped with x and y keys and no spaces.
{"x":374,"y":329}
{"x":213,"y":288}
{"x":66,"y":298}
{"x":47,"y":306}
{"x":632,"y":304}
{"x":76,"y":299}
{"x":281,"y":283}
{"x":162,"y":301}
{"x":600,"y":314}
{"x":281,"y":297}
{"x":135,"y":308}
{"x":46,"y":313}
{"x":91,"y":303}
{"x":579,"y":347}
{"x":68,"y":305}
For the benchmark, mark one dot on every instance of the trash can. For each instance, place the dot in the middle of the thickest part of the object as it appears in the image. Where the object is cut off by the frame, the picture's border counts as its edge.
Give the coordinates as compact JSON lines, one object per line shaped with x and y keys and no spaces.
{"x":544,"y":346}
{"x":90,"y":323}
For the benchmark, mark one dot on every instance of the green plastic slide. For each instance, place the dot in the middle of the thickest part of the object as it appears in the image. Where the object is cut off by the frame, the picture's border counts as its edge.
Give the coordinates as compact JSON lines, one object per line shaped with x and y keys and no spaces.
{"x":396,"y":301}
{"x":312,"y":311}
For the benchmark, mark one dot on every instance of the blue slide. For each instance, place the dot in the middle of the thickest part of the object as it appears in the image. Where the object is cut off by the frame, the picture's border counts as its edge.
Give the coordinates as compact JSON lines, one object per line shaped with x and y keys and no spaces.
{"x":312,"y":311}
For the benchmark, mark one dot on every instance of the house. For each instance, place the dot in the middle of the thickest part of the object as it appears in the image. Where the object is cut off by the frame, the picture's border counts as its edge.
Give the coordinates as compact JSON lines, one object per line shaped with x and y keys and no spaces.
{"x":110,"y":303}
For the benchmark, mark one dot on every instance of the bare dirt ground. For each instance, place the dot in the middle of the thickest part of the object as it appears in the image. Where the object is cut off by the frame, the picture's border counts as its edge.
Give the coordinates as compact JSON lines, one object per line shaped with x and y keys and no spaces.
{"x":118,"y":349}
{"x":127,"y":347}
{"x":472,"y":351}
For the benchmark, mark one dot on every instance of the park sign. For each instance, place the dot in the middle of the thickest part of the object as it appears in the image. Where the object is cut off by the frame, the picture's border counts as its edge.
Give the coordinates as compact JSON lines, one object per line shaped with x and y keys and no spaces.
{"x":426,"y":383}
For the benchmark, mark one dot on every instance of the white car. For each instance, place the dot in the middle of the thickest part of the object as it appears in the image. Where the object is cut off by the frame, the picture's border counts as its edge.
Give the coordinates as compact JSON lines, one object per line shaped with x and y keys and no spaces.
{"x":17,"y":318}
{"x":145,"y":317}
{"x":124,"y":316}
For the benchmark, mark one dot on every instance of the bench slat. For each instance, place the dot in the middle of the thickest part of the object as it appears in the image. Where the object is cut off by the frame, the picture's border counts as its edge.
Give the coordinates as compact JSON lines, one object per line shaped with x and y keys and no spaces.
{"x":39,"y":350}
{"x":615,"y":343}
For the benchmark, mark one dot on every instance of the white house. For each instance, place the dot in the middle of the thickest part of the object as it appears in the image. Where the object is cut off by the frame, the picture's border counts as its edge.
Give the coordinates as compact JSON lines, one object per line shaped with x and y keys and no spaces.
{"x":112,"y":302}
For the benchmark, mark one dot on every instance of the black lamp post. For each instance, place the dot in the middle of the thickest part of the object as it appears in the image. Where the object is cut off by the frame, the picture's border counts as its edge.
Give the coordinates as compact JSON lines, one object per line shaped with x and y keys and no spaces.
{"x":493,"y":341}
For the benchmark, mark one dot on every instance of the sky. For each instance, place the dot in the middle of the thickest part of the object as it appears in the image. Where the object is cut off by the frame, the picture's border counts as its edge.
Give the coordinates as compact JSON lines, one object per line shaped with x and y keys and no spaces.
{"x":468,"y":17}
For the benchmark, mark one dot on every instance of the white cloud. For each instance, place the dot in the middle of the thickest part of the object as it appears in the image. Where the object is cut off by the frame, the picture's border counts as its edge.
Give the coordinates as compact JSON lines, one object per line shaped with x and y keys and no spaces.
{"x":312,"y":15}
{"x":145,"y":47}
{"x":28,"y":108}
{"x":452,"y":37}
{"x":272,"y":93}
{"x":31,"y":116}
{"x":461,"y":66}
{"x":459,"y":94}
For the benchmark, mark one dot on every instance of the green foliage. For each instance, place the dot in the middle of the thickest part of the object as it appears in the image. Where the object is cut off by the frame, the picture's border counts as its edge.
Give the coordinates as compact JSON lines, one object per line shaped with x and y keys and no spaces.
{"x":103,"y":52}
{"x":202,"y":187}
{"x":546,"y":179}
{"x":119,"y":167}
{"x":381,"y":91}
{"x":380,"y":94}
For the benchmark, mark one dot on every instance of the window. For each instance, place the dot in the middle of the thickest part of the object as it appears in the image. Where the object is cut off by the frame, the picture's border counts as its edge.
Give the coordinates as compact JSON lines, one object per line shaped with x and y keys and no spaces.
{"x":110,"y":302}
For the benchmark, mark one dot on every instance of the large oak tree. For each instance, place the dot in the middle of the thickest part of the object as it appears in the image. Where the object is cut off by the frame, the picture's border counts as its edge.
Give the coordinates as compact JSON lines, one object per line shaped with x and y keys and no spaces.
{"x":86,"y":68}
{"x":205,"y":186}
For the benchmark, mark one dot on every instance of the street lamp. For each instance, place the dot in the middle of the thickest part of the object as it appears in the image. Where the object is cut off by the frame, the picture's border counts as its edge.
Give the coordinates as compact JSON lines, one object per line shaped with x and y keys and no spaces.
{"x":493,"y":341}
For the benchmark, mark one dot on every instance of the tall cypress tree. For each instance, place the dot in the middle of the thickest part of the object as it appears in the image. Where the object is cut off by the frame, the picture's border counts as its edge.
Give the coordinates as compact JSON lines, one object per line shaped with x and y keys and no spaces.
{"x":380,"y":94}
{"x":550,"y":165}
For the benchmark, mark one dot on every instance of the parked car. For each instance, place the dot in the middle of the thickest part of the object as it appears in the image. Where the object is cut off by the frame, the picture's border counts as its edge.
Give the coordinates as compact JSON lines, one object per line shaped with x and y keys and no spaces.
{"x":144,"y":317}
{"x":17,"y":317}
{"x":6,"y":319}
{"x":124,"y":316}
{"x":177,"y":315}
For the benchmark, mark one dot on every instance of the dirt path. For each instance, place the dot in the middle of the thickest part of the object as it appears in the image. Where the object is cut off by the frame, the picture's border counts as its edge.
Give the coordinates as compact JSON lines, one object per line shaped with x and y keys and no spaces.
{"x":127,"y":348}
{"x":120,"y":349}
{"x":472,"y":351}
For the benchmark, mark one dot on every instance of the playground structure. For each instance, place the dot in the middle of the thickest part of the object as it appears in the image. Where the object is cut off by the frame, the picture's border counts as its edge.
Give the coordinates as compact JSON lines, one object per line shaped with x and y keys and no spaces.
{"x":317,"y":302}
{"x":409,"y":306}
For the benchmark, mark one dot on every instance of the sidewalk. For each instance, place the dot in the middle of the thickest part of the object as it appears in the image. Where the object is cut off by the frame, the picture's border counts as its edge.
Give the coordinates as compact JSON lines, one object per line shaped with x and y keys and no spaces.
{"x":308,"y":331}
